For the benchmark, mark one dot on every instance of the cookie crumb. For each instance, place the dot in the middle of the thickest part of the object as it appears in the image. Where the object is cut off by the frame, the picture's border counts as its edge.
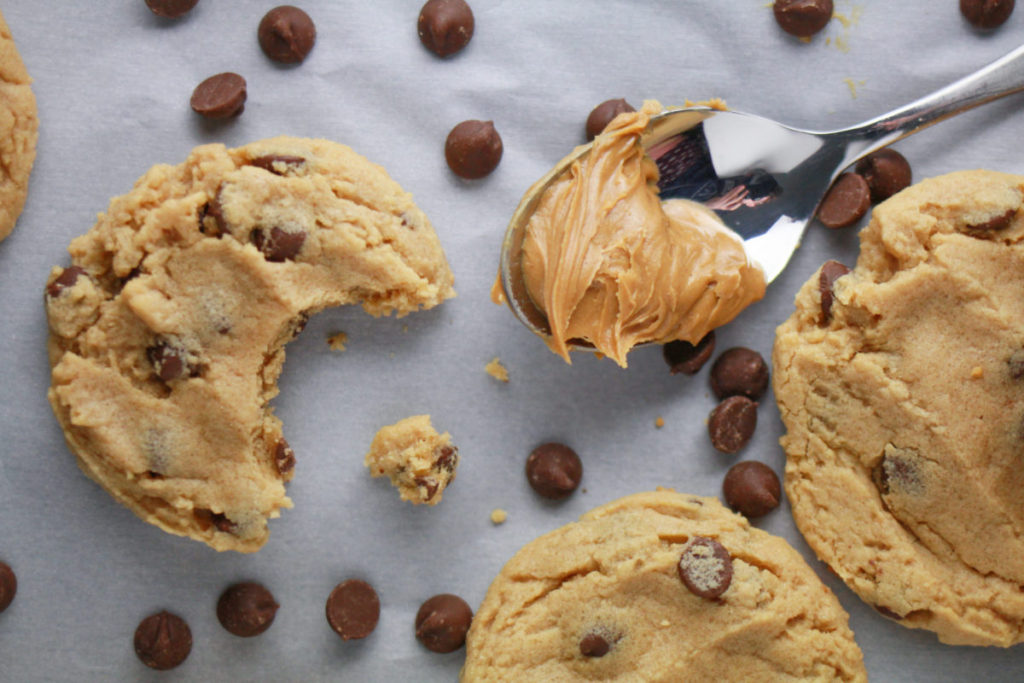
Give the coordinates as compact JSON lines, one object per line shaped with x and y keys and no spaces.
{"x":659,"y":422}
{"x":419,"y":462}
{"x":977,"y":372}
{"x":337,"y":341}
{"x":498,"y":516}
{"x":496,"y":370}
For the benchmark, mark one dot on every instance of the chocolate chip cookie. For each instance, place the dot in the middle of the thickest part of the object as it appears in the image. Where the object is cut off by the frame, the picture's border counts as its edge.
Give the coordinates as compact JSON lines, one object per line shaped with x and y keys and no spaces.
{"x":19,"y":129}
{"x":167,"y":333}
{"x":901,"y":385}
{"x":660,"y":587}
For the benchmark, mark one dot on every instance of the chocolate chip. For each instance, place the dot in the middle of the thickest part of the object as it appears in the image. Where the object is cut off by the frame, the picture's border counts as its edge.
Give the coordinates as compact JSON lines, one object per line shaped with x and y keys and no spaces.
{"x":684,"y":357}
{"x":1015,"y":364}
{"x":445,"y":26}
{"x":246,"y":609}
{"x":602,"y":115}
{"x":732,"y":424}
{"x":8,"y":586}
{"x":986,"y":14}
{"x":429,"y":484}
{"x":594,"y":645}
{"x":220,"y":96}
{"x":353,"y":609}
{"x":846,"y":201}
{"x":752,"y":488}
{"x":284,"y":457}
{"x":68,"y":277}
{"x":286,"y":34}
{"x":163,"y":641}
{"x":802,"y":18}
{"x":442,"y":623}
{"x":473,"y":149}
{"x":278,"y":164}
{"x":830,"y":272}
{"x":554,"y":470}
{"x":280,"y":245}
{"x":222,"y":523}
{"x":169,"y":362}
{"x":705,"y":567}
{"x":447,"y":459}
{"x":886,"y":173}
{"x":739,"y":371}
{"x":211,"y":218}
{"x":171,"y":9}
{"x":1000,"y":222}
{"x":886,"y":612}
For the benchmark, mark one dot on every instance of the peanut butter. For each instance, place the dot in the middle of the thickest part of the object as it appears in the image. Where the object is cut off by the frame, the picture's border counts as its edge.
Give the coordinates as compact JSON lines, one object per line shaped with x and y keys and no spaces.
{"x":609,"y":263}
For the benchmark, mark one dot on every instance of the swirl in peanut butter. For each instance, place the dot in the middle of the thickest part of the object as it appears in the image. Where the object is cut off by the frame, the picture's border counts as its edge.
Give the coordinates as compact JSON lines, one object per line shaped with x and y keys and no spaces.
{"x":611,"y":264}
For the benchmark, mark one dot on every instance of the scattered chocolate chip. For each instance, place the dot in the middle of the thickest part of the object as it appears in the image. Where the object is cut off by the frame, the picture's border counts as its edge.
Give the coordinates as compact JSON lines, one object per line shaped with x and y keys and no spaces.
{"x":554,"y":470}
{"x":286,"y":34}
{"x":802,"y":18}
{"x":830,"y":272}
{"x":169,"y":362}
{"x":886,"y":173}
{"x":246,"y":609}
{"x":278,"y":164}
{"x":986,"y":14}
{"x":445,"y":26}
{"x":284,"y":457}
{"x":1000,"y":222}
{"x":220,"y":96}
{"x":211,"y":218}
{"x":705,"y":567}
{"x":280,"y":245}
{"x":594,"y":645}
{"x":353,"y":609}
{"x":732,"y":424}
{"x":65,"y":280}
{"x":1015,"y":364}
{"x":684,"y":357}
{"x":163,"y":641}
{"x":739,"y":371}
{"x":442,"y":623}
{"x":8,"y":586}
{"x":846,"y":201}
{"x":473,"y":149}
{"x":171,"y":9}
{"x":886,"y":612}
{"x":752,"y":488}
{"x":602,"y":115}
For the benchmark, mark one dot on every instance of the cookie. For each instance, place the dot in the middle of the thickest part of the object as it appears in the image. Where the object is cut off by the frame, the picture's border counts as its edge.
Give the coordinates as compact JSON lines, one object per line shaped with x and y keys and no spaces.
{"x":19,"y":129}
{"x":167,"y":334}
{"x":419,"y":462}
{"x":901,"y":385}
{"x":660,"y":587}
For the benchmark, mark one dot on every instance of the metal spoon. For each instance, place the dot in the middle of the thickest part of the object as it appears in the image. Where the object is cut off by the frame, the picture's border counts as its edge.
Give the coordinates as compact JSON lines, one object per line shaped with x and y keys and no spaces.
{"x":764,"y":179}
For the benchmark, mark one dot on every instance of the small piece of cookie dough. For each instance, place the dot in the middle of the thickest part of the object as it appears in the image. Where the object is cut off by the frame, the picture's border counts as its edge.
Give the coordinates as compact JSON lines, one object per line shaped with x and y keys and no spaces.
{"x":498,"y":516}
{"x":419,"y":462}
{"x":337,"y":341}
{"x":19,"y":130}
{"x":496,"y":370}
{"x":625,"y":594}
{"x":900,"y":386}
{"x":167,"y":334}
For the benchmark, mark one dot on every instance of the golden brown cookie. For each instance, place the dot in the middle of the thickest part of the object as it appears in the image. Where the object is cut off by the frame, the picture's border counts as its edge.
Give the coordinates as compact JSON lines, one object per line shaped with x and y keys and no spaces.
{"x":19,"y":128}
{"x":660,"y":587}
{"x":168,"y":331}
{"x":901,"y":385}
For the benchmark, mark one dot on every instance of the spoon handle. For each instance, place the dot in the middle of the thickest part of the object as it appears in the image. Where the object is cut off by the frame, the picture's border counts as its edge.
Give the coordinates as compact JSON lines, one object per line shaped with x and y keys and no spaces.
{"x":1002,"y":77}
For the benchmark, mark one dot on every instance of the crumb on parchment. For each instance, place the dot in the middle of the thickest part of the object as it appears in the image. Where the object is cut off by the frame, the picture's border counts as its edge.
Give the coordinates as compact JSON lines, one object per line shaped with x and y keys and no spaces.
{"x":498,"y":516}
{"x":337,"y":341}
{"x":496,"y":370}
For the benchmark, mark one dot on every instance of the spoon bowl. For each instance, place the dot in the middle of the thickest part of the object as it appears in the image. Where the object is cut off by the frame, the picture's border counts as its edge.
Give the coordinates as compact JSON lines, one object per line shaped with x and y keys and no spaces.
{"x":764,"y":179}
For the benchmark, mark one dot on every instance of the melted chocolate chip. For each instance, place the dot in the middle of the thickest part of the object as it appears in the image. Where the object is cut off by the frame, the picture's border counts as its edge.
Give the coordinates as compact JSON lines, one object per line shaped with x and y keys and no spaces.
{"x":1015,"y":364}
{"x":732,"y":423}
{"x":684,"y":357}
{"x":830,"y":272}
{"x":65,"y":280}
{"x":739,"y":371}
{"x":554,"y":470}
{"x":802,"y":18}
{"x":594,"y":645}
{"x":846,"y":201}
{"x":169,"y":362}
{"x":353,"y":609}
{"x":705,"y":567}
{"x":8,"y":586}
{"x":442,"y":623}
{"x":1000,"y":222}
{"x":473,"y":149}
{"x":220,"y":96}
{"x":603,"y":114}
{"x":163,"y":641}
{"x":278,"y":164}
{"x":886,"y":172}
{"x":752,"y":488}
{"x":246,"y":609}
{"x":284,"y":457}
{"x":445,"y":26}
{"x":286,"y":34}
{"x":986,"y":14}
{"x":279,"y":245}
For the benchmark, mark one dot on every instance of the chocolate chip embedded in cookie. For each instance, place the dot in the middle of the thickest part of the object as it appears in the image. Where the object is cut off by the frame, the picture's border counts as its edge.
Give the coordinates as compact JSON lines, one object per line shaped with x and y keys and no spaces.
{"x":419,"y":462}
{"x":903,"y":459}
{"x":659,"y":587}
{"x":19,"y":130}
{"x":167,"y":331}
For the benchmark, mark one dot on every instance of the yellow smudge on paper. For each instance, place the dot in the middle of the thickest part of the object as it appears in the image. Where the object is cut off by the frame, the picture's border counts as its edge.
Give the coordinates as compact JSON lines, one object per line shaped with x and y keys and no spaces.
{"x":496,"y":370}
{"x":853,"y":85}
{"x":337,"y":341}
{"x":498,"y":516}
